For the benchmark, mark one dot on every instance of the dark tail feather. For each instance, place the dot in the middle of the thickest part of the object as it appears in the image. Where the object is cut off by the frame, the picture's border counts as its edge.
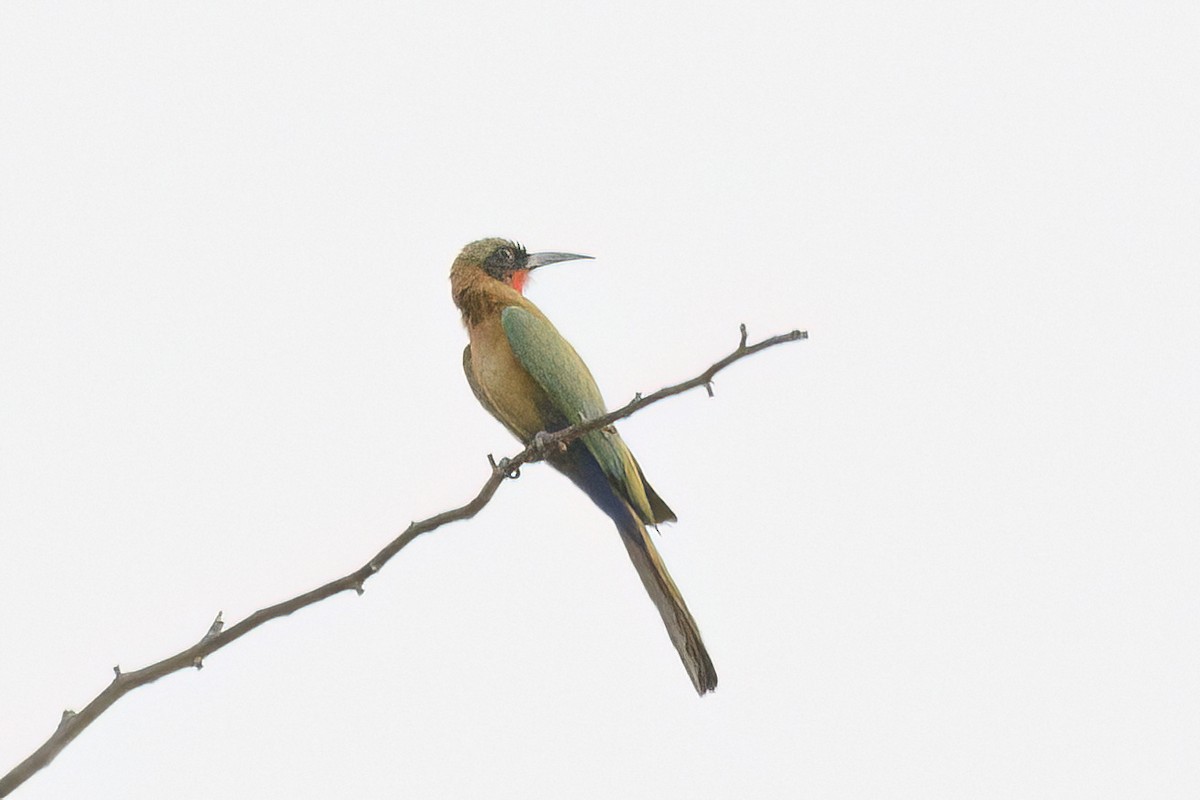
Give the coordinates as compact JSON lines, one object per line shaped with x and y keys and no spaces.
{"x":583,"y":469}
{"x":685,"y":635}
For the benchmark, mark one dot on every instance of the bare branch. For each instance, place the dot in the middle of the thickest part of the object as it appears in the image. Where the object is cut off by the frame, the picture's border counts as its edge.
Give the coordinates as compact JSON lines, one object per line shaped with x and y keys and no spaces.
{"x":218,"y":636}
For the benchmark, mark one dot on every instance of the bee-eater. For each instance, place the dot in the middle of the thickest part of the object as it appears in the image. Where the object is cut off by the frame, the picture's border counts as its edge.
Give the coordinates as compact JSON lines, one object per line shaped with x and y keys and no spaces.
{"x":530,"y":378}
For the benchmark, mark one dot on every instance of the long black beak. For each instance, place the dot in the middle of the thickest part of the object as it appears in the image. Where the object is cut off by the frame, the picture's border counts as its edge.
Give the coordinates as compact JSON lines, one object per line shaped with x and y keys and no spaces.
{"x":535,"y":260}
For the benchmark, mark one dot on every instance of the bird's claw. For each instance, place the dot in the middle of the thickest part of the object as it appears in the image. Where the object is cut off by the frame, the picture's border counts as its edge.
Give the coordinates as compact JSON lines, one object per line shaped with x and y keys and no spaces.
{"x":544,"y":444}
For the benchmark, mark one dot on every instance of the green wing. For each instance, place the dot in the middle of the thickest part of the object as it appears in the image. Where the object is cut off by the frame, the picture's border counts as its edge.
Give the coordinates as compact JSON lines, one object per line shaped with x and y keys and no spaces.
{"x":557,"y":368}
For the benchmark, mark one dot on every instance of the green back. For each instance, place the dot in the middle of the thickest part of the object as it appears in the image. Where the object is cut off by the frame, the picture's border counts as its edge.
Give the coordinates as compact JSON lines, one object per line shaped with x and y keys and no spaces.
{"x":557,"y":368}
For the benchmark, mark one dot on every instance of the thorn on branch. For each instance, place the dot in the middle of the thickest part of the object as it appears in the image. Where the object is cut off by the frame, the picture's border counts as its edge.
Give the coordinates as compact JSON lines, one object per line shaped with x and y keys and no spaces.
{"x":742,"y":344}
{"x":708,"y":388}
{"x":67,"y":716}
{"x":358,"y":588}
{"x":215,"y":629}
{"x":213,"y":632}
{"x":513,"y":473}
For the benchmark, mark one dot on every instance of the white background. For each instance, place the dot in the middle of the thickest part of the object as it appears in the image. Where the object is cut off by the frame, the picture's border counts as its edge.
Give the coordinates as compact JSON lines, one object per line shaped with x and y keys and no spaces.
{"x":945,"y":548}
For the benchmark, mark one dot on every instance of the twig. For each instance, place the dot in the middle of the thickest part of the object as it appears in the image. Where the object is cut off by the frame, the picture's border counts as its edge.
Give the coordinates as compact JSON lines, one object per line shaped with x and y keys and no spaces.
{"x":217,"y":636}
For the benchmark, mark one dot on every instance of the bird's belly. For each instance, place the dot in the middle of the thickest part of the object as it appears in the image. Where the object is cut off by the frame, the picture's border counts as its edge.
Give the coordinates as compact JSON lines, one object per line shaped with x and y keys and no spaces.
{"x":515,"y":398}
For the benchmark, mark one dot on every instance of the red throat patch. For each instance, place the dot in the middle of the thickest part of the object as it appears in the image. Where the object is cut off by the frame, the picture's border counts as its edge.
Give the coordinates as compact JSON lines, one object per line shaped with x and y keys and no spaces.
{"x":518,"y":280}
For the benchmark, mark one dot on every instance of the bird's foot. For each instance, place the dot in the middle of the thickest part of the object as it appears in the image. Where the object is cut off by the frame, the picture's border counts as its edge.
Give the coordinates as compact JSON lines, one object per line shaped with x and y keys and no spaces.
{"x":545,"y":445}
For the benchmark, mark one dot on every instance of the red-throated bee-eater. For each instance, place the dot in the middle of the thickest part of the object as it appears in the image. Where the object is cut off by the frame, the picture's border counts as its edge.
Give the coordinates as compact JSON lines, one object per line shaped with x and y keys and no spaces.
{"x":530,"y":378}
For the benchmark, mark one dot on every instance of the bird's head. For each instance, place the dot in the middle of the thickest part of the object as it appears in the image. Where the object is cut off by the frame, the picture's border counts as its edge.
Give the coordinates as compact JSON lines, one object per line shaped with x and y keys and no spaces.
{"x":504,"y":261}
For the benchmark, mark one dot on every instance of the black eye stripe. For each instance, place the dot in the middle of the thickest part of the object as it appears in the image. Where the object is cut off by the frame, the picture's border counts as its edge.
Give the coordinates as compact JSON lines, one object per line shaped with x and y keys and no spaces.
{"x":504,"y":260}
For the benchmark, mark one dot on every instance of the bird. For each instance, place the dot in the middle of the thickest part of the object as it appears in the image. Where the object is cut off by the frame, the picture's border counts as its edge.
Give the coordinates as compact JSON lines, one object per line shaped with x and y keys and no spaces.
{"x":527,"y":376}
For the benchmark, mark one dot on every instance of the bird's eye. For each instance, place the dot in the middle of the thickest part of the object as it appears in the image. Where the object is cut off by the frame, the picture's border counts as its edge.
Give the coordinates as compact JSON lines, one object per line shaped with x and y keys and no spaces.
{"x":505,"y":254}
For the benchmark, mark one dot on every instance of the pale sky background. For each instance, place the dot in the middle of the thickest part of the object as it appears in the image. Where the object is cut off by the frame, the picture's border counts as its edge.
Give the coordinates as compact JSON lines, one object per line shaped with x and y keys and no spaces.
{"x":945,"y":548}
